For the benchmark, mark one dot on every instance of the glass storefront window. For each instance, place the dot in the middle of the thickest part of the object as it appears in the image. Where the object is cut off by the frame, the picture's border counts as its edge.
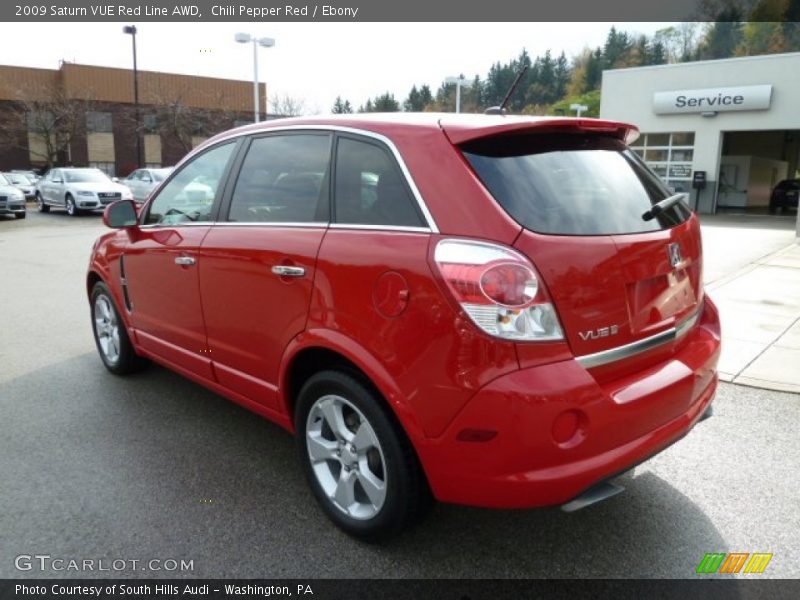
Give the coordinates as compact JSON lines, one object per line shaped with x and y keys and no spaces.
{"x":658,"y":139}
{"x":670,"y":156}
{"x":684,"y":138}
{"x":682,"y":155}
{"x":660,"y":155}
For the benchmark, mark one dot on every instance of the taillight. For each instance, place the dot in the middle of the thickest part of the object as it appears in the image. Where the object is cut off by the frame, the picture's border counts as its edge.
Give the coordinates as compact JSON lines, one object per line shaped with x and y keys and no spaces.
{"x":499,"y":289}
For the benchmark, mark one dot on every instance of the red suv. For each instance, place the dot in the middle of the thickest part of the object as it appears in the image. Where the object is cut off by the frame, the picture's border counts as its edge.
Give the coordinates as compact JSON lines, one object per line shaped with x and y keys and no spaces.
{"x":485,"y":310}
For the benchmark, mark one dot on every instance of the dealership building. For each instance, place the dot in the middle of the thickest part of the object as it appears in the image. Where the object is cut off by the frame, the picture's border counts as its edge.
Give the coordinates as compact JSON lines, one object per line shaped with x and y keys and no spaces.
{"x":733,"y":124}
{"x":175,"y":113}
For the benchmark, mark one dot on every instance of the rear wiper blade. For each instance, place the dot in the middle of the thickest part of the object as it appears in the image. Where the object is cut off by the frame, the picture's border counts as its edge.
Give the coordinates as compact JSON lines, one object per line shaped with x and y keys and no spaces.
{"x":660,"y":207}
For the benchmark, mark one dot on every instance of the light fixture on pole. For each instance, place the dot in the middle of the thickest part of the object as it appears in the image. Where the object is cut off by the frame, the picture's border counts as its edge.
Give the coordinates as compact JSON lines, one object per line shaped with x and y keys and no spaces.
{"x":578,"y":108}
{"x":460,"y":82}
{"x":131,"y":30}
{"x":264,"y":42}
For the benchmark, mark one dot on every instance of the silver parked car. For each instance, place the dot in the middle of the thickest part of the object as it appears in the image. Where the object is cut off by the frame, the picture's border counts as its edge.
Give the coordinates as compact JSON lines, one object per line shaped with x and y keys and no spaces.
{"x":29,"y":173}
{"x":78,"y":190}
{"x":12,"y":200}
{"x":22,"y":183}
{"x":143,"y":181}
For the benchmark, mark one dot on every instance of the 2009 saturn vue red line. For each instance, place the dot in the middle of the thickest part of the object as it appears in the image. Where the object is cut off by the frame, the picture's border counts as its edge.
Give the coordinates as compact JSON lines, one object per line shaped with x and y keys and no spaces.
{"x":487,"y":310}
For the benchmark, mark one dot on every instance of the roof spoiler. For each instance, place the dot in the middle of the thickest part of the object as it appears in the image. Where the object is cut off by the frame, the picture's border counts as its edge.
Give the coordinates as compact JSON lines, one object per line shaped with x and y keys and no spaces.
{"x":458,"y":134}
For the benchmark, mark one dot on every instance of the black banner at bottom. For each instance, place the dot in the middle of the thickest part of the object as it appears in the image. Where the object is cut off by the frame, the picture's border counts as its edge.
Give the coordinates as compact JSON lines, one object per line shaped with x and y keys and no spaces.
{"x":389,"y":589}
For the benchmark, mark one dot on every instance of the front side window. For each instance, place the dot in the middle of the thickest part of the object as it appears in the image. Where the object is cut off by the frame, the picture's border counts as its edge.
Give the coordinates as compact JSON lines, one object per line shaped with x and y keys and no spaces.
{"x":370,"y":190}
{"x":283,"y":179}
{"x":189,"y":196}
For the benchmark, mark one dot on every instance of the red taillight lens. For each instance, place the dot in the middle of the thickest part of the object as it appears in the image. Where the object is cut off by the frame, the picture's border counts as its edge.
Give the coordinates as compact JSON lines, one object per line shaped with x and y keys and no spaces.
{"x":509,"y":284}
{"x":499,"y":289}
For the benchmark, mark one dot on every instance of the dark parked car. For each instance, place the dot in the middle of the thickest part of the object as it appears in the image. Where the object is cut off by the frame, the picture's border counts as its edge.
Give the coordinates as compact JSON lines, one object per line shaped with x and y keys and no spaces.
{"x":495,"y":311}
{"x":784,"y":195}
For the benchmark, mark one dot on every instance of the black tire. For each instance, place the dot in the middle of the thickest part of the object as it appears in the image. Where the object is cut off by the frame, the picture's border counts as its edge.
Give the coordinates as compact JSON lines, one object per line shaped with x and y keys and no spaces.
{"x":126,"y":361}
{"x":40,"y":204}
{"x":20,"y":215}
{"x":407,"y":495}
{"x":72,"y":208}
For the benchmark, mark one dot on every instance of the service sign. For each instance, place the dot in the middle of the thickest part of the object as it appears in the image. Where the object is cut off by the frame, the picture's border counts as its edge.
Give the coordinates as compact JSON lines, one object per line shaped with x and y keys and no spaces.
{"x":748,"y":97}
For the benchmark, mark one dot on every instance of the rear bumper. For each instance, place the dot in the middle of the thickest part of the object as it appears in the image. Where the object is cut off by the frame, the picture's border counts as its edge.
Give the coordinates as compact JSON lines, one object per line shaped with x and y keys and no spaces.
{"x":558,"y":432}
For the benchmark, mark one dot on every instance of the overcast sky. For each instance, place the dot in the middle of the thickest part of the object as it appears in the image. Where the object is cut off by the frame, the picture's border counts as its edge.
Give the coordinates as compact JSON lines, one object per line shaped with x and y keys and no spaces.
{"x":312,"y":61}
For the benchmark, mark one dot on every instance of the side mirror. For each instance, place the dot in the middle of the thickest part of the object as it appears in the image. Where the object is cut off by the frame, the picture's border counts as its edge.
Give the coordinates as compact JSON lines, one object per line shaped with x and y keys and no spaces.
{"x":120,"y":214}
{"x":115,"y":179}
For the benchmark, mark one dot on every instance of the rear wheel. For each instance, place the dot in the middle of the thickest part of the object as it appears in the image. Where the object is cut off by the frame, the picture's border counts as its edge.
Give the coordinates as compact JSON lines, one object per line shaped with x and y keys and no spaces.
{"x":110,"y":335}
{"x":72,"y":210}
{"x":40,"y":204}
{"x":358,"y":461}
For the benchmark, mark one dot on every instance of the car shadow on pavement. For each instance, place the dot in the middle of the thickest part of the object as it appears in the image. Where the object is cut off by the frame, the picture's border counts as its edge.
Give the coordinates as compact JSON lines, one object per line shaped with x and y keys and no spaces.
{"x":153,"y":465}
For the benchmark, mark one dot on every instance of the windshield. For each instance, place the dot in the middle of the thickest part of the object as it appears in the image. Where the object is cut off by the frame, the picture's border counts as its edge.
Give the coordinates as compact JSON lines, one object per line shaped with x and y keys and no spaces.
{"x":160,"y":174}
{"x":17,"y":179}
{"x":571,"y":184}
{"x":4,"y":180}
{"x":85,"y":176}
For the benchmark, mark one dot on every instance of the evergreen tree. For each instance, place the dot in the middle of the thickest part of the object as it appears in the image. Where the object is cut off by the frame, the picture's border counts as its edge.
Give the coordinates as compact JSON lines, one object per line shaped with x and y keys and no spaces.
{"x":383,"y":103}
{"x":341,"y":107}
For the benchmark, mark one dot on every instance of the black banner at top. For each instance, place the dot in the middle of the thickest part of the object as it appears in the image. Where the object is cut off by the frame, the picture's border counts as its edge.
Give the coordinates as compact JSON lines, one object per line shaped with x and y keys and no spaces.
{"x":357,"y":10}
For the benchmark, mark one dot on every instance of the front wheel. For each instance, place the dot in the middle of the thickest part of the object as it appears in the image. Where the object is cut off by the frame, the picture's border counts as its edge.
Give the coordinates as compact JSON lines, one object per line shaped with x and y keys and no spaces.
{"x":19,"y":215}
{"x":40,"y":204}
{"x":110,"y":335}
{"x":72,"y":210}
{"x":358,"y":461}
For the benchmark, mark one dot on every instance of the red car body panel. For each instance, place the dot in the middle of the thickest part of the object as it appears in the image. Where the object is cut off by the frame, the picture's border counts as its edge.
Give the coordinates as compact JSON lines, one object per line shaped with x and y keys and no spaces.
{"x":375,"y":297}
{"x":167,"y":319}
{"x":236,"y":280}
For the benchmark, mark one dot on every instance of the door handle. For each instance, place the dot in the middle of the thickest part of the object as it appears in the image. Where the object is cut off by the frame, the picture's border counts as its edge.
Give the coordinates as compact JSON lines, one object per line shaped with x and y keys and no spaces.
{"x":185,"y":261}
{"x":287,"y":271}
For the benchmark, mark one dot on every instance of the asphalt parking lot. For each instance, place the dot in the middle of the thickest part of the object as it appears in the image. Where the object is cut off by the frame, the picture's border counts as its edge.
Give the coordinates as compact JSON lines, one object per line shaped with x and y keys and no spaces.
{"x":155,"y":467}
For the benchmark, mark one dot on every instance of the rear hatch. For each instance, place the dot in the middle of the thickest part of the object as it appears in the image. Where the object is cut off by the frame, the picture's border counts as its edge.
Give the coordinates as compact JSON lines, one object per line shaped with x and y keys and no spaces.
{"x":616,"y":278}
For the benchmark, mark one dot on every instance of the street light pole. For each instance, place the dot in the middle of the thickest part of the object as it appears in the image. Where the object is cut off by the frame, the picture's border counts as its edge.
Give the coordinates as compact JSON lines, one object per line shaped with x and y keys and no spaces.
{"x":131,"y":30}
{"x":578,"y":108}
{"x":256,"y":99}
{"x":264,"y":42}
{"x":459,"y":81}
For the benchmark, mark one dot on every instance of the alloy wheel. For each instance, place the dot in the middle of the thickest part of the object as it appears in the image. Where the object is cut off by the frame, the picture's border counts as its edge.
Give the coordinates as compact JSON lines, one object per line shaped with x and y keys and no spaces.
{"x":107,"y":328}
{"x":346,"y":457}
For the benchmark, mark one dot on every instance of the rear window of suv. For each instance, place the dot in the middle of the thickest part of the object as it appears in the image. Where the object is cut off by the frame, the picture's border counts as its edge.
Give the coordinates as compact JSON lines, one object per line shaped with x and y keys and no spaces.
{"x":571,"y":184}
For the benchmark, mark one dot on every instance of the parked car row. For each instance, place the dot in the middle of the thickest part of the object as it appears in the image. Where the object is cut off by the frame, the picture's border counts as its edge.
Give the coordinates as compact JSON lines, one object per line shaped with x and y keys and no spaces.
{"x":12,"y":198}
{"x":78,"y":190}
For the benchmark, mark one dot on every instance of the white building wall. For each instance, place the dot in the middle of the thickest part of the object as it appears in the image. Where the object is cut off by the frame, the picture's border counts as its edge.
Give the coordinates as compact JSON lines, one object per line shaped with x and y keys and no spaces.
{"x":627,"y":95}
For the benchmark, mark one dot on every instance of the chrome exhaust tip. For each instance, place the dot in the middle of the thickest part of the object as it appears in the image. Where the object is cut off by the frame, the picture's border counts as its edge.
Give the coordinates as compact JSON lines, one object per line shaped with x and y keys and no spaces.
{"x":597,"y":493}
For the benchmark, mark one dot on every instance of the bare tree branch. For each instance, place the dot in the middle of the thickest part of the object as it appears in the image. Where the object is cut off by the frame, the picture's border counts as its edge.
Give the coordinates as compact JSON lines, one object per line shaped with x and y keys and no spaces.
{"x":43,"y":121}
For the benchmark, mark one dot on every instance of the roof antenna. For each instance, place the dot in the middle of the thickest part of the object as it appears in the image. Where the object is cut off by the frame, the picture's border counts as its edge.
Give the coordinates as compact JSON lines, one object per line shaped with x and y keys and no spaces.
{"x":501,"y":110}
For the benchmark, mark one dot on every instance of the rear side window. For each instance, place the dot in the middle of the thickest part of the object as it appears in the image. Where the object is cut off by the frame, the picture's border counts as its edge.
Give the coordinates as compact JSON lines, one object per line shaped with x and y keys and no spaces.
{"x":283,"y":179}
{"x":370,"y":190}
{"x":571,"y":184}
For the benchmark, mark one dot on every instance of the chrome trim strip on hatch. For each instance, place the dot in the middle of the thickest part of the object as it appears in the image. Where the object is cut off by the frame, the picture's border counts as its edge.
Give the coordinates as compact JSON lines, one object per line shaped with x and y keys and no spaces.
{"x":604,"y":357}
